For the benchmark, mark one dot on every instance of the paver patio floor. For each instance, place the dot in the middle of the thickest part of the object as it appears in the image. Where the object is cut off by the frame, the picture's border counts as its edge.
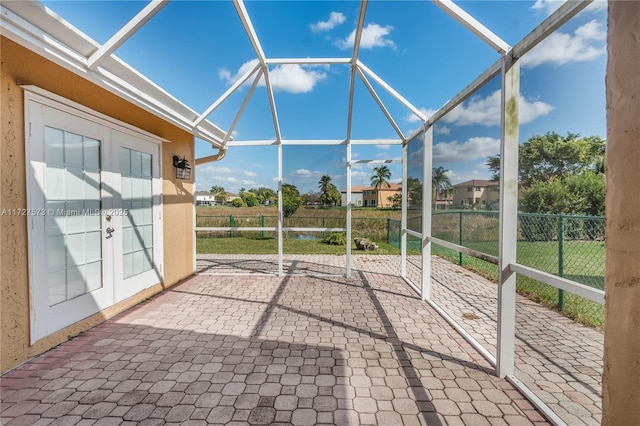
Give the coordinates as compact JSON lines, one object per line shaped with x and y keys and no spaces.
{"x":558,"y":359}
{"x":237,"y":349}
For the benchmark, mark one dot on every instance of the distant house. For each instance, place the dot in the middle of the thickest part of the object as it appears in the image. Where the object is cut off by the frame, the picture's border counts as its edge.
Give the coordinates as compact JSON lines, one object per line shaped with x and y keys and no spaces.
{"x":476,"y":193}
{"x":231,"y":196}
{"x":368,"y":196}
{"x":356,"y":196}
{"x":205,"y":198}
{"x":444,"y":201}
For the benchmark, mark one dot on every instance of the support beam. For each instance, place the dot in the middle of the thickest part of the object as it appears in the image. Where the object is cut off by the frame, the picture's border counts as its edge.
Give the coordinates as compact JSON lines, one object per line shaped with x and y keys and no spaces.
{"x":249,"y":29}
{"x":427,"y":196}
{"x":621,"y":378}
{"x":352,"y":80}
{"x":257,"y":47}
{"x":474,"y":25}
{"x":354,"y":59}
{"x":125,"y":33}
{"x":480,"y":81}
{"x":403,"y":219}
{"x":227,"y":137}
{"x":272,"y":106}
{"x":308,"y":61}
{"x":280,"y":215}
{"x":376,"y":162}
{"x":381,"y":105}
{"x":392,"y":92}
{"x":315,"y":142}
{"x":508,"y":216}
{"x":558,"y":18}
{"x":349,"y":235}
{"x":226,"y":95}
{"x":376,"y":141}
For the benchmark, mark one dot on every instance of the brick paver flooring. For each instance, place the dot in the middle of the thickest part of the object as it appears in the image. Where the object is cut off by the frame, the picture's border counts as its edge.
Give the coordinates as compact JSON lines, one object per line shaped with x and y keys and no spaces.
{"x":233,"y":349}
{"x":558,"y":359}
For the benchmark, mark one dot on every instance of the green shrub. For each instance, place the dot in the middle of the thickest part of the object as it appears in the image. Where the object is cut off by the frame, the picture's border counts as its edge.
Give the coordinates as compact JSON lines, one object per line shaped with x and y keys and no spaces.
{"x":336,"y":239}
{"x":238,"y":202}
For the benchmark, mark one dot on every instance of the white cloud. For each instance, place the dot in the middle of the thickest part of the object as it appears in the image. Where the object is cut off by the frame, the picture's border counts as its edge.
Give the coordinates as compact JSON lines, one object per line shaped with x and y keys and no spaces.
{"x":486,"y":111}
{"x":529,"y":111}
{"x":295,"y":78}
{"x":228,"y":171}
{"x":586,"y":43}
{"x":304,"y":173}
{"x":360,"y":178}
{"x":373,"y":35}
{"x":547,"y":7}
{"x":226,"y":75}
{"x":292,"y":78}
{"x":412,"y":118}
{"x":472,"y":149}
{"x":335,"y":19}
{"x":442,"y":129}
{"x":229,"y":178}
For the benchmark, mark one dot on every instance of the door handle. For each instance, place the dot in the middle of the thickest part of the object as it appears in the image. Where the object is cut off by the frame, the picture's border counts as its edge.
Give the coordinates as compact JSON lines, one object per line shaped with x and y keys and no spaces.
{"x":109,"y":230}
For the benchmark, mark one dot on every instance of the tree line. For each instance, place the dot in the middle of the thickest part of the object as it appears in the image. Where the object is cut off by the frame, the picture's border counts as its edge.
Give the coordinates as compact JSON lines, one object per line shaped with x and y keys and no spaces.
{"x":559,"y":174}
{"x":329,"y":195}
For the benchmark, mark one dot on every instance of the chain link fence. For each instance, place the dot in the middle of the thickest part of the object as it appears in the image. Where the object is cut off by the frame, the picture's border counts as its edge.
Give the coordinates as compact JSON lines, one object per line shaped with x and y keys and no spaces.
{"x":375,"y":229}
{"x":564,"y":245}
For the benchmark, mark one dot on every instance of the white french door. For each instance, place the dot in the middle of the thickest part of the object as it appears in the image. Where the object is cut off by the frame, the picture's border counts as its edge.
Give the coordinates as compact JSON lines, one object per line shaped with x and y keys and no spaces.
{"x":94,"y":204}
{"x":135,"y":225}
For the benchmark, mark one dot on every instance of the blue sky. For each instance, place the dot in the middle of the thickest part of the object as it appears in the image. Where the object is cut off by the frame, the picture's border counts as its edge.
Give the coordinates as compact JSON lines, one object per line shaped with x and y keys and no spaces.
{"x":196,"y":49}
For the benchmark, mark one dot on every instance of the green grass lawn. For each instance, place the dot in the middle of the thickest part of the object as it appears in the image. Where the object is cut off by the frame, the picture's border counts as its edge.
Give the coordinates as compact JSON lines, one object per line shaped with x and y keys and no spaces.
{"x":248,"y":245}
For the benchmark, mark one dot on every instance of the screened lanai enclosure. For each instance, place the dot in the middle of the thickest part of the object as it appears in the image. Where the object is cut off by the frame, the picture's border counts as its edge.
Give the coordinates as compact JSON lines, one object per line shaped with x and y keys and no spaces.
{"x":552,"y":361}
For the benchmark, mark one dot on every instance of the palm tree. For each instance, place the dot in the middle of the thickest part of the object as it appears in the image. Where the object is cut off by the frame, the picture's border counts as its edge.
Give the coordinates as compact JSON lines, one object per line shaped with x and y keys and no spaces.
{"x":439,"y":181}
{"x":381,"y":177}
{"x":324,"y":183}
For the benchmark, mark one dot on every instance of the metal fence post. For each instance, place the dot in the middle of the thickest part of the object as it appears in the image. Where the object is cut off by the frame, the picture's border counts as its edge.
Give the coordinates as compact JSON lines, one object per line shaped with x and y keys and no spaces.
{"x":231,"y":225}
{"x":460,"y":239}
{"x":561,"y":259}
{"x":262,"y":226}
{"x":389,"y":231}
{"x":324,"y":234}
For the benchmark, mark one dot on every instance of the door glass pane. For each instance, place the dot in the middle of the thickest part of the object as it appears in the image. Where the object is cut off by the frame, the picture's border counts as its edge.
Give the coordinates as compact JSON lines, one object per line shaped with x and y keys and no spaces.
{"x":73,"y":156}
{"x":54,"y":140}
{"x":72,"y":192}
{"x":74,"y":183}
{"x":57,"y":287}
{"x":75,"y":282}
{"x":137,"y":196}
{"x":93,"y":275}
{"x":91,"y":154}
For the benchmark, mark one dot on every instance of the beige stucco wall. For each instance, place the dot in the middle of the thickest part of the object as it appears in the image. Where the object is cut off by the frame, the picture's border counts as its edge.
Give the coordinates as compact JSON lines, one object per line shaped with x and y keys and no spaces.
{"x":621,"y":379}
{"x":380,"y":197}
{"x":21,"y":66}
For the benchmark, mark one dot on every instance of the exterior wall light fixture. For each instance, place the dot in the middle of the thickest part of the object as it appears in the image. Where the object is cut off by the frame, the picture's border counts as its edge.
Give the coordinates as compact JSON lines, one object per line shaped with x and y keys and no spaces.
{"x":183,"y":170}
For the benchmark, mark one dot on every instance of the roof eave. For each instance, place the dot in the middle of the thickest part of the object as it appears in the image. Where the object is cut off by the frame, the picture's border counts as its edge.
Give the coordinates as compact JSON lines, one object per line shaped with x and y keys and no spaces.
{"x":40,"y":30}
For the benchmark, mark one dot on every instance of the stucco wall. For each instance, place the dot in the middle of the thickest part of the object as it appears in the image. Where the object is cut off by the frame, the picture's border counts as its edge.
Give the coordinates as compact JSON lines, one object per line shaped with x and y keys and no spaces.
{"x":621,"y":380}
{"x":21,"y":66}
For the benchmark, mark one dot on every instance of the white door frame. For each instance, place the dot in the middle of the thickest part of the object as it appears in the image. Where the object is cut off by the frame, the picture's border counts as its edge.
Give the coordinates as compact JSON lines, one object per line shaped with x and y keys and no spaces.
{"x":45,"y":320}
